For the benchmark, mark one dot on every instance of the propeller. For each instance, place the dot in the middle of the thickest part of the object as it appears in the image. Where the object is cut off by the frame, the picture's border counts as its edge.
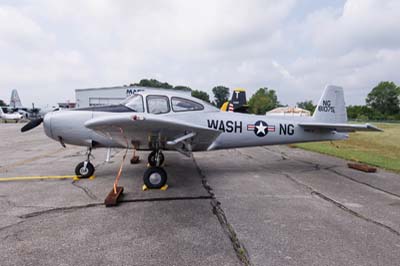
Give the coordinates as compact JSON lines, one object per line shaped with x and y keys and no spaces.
{"x":32,"y":124}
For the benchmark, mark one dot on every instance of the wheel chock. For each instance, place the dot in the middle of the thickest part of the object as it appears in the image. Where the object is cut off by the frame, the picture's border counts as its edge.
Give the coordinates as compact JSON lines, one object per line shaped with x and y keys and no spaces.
{"x":362,"y":167}
{"x":112,"y":198}
{"x":76,"y":178}
{"x":163,"y":188}
{"x":135,"y":160}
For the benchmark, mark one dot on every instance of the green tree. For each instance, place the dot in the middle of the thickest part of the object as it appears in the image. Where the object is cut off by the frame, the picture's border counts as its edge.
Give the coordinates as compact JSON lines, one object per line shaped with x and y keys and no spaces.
{"x":153,"y":83}
{"x":182,"y":88}
{"x":201,"y":95}
{"x":307,"y":105}
{"x":2,"y":103}
{"x":384,"y":99}
{"x":263,"y":100}
{"x":221,"y":95}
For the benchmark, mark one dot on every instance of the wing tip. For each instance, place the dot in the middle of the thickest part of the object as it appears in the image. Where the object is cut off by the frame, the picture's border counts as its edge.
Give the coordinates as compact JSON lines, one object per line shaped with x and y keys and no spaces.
{"x":374,"y":128}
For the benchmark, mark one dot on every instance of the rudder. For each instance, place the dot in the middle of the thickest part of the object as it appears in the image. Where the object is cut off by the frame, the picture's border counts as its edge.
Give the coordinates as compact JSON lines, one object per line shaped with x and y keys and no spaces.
{"x":331,"y":107}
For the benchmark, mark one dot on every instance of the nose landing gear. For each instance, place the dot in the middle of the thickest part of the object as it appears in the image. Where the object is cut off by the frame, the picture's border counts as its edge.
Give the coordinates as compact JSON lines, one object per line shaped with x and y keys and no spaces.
{"x":85,"y":169}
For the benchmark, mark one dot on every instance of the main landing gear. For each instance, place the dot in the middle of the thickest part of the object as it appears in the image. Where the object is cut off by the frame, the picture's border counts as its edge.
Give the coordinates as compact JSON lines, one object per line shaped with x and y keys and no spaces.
{"x":85,"y":169}
{"x":155,"y":176}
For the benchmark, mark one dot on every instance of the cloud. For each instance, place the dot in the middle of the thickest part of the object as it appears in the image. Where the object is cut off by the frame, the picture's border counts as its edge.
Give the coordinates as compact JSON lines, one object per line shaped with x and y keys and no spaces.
{"x":49,"y":48}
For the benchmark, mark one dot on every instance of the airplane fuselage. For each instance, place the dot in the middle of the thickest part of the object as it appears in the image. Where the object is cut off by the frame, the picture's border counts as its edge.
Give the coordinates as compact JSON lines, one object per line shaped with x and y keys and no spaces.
{"x":237,"y":130}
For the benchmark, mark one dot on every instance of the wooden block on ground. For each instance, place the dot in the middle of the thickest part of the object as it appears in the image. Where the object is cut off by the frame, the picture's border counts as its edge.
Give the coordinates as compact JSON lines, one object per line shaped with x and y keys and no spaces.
{"x":362,"y":167}
{"x":135,"y":160}
{"x":112,"y":198}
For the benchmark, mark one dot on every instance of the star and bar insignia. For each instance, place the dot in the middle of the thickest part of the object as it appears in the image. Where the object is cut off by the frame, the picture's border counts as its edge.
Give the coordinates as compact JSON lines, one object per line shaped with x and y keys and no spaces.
{"x":260,"y":128}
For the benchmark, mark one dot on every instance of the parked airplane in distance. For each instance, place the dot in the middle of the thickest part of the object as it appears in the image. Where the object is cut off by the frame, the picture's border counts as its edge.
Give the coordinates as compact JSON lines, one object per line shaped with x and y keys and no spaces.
{"x":10,"y":116}
{"x":159,"y":120}
{"x":238,"y":103}
{"x":27,"y":112}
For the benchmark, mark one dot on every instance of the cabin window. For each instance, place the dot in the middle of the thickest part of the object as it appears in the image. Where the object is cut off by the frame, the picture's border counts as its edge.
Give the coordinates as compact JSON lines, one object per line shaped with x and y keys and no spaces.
{"x":157,"y":104}
{"x":184,"y":105}
{"x":135,"y":103}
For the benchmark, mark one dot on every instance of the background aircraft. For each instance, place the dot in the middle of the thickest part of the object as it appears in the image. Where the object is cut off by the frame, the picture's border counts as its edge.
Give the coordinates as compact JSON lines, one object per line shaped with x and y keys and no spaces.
{"x":10,"y":116}
{"x":238,"y":102}
{"x":27,"y":112}
{"x":159,"y":120}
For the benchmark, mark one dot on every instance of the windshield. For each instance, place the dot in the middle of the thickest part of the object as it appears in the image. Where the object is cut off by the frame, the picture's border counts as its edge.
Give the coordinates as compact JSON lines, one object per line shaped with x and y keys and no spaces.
{"x":134,"y":102}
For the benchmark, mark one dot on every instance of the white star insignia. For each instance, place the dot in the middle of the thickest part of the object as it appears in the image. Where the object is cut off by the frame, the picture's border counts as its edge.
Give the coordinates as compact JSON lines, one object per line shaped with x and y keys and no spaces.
{"x":261,"y":128}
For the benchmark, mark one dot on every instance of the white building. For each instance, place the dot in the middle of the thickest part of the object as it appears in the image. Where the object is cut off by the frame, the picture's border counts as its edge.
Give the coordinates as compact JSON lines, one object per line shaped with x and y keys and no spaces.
{"x":103,"y":96}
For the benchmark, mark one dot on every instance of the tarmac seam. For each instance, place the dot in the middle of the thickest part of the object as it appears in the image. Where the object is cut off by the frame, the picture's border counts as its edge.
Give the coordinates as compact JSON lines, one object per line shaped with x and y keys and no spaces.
{"x":341,"y":206}
{"x":330,"y":169}
{"x":91,"y":205}
{"x":60,"y":209}
{"x":84,"y":189}
{"x":11,"y":225}
{"x":363,"y":183}
{"x":238,"y":246}
{"x":165,"y":199}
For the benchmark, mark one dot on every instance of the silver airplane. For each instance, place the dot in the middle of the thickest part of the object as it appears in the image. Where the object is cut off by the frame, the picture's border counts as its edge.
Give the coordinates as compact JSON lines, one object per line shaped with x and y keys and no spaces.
{"x":158,"y":120}
{"x":10,"y":116}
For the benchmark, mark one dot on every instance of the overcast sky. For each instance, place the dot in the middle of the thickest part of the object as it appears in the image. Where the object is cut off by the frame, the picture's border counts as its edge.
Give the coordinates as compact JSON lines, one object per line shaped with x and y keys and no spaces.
{"x":49,"y":48}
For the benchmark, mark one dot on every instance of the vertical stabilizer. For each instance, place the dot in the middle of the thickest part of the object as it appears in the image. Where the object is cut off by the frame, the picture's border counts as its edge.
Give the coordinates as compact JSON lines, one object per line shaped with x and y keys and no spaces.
{"x":15,"y":101}
{"x":331,"y":107}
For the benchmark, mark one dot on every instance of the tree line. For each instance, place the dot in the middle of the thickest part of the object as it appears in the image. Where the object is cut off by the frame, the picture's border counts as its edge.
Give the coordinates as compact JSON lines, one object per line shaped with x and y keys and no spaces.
{"x":261,"y":102}
{"x":382,"y":103}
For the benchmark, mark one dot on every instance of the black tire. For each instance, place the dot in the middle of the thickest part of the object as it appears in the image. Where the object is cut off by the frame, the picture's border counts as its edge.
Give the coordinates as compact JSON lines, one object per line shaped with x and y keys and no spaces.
{"x":82,"y":172}
{"x":155,"y":177}
{"x":152,"y":159}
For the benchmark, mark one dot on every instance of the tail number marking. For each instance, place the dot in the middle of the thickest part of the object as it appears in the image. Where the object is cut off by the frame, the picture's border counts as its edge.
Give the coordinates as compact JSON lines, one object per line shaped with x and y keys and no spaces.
{"x":326,"y":107}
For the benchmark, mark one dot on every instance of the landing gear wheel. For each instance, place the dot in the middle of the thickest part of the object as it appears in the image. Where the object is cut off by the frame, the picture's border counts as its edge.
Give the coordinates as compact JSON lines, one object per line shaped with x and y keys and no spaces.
{"x":155,"y":177}
{"x":84,"y":172}
{"x":152,"y":158}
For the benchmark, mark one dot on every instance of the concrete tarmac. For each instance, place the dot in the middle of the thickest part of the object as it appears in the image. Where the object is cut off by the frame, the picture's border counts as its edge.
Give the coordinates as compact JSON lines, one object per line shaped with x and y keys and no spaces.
{"x":270,"y":205}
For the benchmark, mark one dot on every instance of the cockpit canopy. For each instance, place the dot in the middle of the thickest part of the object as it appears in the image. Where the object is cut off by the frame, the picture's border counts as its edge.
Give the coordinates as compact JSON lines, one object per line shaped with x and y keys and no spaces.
{"x":161,"y":104}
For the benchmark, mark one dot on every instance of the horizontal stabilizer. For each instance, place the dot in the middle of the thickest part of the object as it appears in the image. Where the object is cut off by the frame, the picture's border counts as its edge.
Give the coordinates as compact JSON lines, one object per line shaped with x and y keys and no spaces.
{"x":340,"y":127}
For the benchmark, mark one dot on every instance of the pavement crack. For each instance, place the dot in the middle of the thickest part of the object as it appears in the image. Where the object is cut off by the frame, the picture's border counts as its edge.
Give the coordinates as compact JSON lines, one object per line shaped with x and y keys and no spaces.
{"x":362,"y":183}
{"x":11,"y":225}
{"x":165,"y":199}
{"x":283,"y":155}
{"x":341,"y":206}
{"x":238,"y":246}
{"x":60,"y":209}
{"x":87,"y":191}
{"x":331,"y":169}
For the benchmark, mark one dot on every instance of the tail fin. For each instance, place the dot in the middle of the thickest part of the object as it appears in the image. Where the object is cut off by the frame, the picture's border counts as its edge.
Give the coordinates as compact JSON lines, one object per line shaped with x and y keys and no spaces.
{"x":239,"y":101}
{"x":15,"y":101}
{"x":331,"y":107}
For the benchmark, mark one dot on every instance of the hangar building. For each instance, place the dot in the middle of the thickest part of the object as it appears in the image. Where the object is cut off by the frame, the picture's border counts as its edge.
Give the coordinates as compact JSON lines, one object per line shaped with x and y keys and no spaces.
{"x":103,"y":96}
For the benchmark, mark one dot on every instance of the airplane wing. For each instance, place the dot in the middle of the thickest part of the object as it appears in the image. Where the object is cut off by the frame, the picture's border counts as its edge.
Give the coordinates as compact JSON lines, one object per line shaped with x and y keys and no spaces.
{"x":340,"y":127}
{"x":173,"y":132}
